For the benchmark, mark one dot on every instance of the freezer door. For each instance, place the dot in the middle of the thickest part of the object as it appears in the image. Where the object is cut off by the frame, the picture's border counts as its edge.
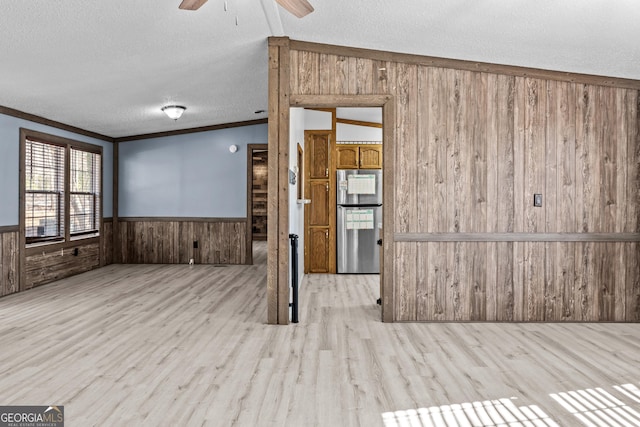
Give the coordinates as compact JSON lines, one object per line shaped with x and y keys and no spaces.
{"x":358,"y":233}
{"x":359,"y":187}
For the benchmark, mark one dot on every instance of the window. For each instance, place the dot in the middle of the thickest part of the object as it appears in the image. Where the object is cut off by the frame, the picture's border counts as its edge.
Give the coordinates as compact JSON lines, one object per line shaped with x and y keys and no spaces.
{"x":62,"y":188}
{"x":84,"y":210}
{"x":44,"y":192}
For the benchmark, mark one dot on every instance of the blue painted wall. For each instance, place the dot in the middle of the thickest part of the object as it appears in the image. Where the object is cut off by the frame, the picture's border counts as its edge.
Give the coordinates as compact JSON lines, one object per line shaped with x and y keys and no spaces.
{"x":10,"y":158}
{"x":191,"y":175}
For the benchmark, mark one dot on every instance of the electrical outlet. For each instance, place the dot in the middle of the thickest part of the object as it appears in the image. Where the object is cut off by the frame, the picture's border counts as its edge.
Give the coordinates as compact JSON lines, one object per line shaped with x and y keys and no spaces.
{"x":537,"y":200}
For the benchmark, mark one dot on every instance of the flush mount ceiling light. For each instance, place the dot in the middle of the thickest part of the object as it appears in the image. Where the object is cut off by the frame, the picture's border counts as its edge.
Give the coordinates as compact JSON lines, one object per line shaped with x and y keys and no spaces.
{"x":173,"y":111}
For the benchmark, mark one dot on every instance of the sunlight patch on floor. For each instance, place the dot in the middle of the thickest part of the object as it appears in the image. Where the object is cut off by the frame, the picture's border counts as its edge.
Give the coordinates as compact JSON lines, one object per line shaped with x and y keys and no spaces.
{"x":596,"y":407}
{"x":501,"y":412}
{"x":592,"y":407}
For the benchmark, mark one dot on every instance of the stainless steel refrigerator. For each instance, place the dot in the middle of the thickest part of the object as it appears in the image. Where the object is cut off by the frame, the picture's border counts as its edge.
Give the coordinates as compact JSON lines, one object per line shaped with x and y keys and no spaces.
{"x":359,"y":219}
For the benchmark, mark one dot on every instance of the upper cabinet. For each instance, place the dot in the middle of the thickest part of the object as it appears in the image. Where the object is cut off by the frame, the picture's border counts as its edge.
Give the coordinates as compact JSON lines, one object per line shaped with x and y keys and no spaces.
{"x":370,"y":156}
{"x":355,"y":156}
{"x":317,"y":146}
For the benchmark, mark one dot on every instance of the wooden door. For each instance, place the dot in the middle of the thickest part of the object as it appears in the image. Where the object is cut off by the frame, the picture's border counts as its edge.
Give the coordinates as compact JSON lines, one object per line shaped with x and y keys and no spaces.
{"x":347,"y":156}
{"x":317,"y":218}
{"x":370,"y":157}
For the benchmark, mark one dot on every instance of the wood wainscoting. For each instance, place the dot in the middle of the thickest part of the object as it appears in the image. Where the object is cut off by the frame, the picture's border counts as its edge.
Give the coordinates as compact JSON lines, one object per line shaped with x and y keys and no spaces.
{"x":47,"y":263}
{"x":106,"y":257}
{"x":9,"y":260}
{"x":153,"y":240}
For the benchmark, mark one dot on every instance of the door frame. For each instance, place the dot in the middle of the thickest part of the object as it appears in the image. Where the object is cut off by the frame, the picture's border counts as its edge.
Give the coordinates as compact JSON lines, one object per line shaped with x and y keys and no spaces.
{"x":249,"y":234}
{"x":277,"y":280}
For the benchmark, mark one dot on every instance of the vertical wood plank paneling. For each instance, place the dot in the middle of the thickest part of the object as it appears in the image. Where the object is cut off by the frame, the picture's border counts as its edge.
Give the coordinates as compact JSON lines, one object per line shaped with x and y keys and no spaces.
{"x":9,"y":260}
{"x":492,"y":197}
{"x":622,"y":121}
{"x":326,"y":70}
{"x":505,"y":202}
{"x":481,"y":146}
{"x":406,"y":180}
{"x":171,"y":242}
{"x":606,"y":287}
{"x":607,"y":141}
{"x":434,"y":208}
{"x":309,"y":79}
{"x":564,"y":281}
{"x":364,"y":76}
{"x":425,"y":192}
{"x":552,"y":293}
{"x":454,"y":295}
{"x":380,"y":84}
{"x":632,"y":311}
{"x":633,"y":159}
{"x":476,"y":100}
{"x":519,"y":174}
{"x":297,"y":72}
{"x":589,"y":175}
{"x":341,"y":72}
{"x":534,"y":168}
{"x":353,"y":76}
{"x":606,"y":282}
{"x":107,"y":242}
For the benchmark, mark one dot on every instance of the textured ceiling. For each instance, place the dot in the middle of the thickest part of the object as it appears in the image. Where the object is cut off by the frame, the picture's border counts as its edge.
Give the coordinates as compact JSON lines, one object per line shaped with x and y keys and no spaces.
{"x":109,"y":66}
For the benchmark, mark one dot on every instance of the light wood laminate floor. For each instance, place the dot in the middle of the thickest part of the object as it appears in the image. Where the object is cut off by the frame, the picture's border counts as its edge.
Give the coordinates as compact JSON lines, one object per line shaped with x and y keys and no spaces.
{"x":178,"y":345}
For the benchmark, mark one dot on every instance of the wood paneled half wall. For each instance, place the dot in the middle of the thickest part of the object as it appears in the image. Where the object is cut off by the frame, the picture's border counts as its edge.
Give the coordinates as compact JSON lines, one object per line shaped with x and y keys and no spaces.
{"x":9,"y":260}
{"x":179,"y":240}
{"x":468,"y":149}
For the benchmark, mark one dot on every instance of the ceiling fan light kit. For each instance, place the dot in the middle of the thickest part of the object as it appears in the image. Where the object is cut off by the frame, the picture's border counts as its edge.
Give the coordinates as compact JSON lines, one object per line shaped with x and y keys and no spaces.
{"x":173,"y":111}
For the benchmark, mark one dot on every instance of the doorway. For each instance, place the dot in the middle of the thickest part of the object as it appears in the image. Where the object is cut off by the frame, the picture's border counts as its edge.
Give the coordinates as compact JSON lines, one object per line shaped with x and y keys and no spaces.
{"x":257,"y":195}
{"x":282,"y":131}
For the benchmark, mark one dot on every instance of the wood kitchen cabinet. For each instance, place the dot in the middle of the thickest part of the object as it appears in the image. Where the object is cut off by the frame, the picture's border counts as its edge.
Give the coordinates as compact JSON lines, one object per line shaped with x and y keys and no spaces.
{"x":317,"y":145}
{"x":370,"y":156}
{"x":318,"y":250}
{"x":320,"y":212}
{"x":354,"y":156}
{"x":319,"y":206}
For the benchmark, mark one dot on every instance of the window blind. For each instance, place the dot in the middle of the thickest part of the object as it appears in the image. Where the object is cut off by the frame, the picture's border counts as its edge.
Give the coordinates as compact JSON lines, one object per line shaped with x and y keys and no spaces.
{"x":84,"y":211}
{"x":44,"y":191}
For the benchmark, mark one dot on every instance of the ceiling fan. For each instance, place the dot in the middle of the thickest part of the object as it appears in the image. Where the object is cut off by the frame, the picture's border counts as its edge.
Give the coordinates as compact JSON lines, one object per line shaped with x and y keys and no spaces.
{"x":299,"y":8}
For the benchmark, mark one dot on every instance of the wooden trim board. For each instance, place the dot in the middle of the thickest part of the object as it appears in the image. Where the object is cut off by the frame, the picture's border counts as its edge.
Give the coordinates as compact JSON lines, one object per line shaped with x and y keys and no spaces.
{"x":517,"y":237}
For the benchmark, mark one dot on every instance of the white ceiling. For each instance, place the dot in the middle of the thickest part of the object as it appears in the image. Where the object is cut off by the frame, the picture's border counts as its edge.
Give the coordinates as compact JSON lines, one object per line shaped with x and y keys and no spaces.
{"x":109,"y":66}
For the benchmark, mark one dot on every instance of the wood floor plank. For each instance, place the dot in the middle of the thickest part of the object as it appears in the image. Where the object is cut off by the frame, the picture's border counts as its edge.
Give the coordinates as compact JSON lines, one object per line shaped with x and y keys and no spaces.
{"x":151,"y":345}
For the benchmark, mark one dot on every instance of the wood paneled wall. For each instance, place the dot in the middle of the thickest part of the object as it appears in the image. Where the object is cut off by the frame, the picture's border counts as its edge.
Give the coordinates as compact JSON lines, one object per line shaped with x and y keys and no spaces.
{"x":171,"y":240}
{"x":107,"y":242}
{"x":473,"y":143}
{"x":9,"y":260}
{"x":45,"y":264}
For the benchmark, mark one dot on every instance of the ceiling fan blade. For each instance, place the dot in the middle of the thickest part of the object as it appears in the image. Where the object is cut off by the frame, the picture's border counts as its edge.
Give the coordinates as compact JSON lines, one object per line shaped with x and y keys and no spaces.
{"x":299,"y":8}
{"x":191,"y":4}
